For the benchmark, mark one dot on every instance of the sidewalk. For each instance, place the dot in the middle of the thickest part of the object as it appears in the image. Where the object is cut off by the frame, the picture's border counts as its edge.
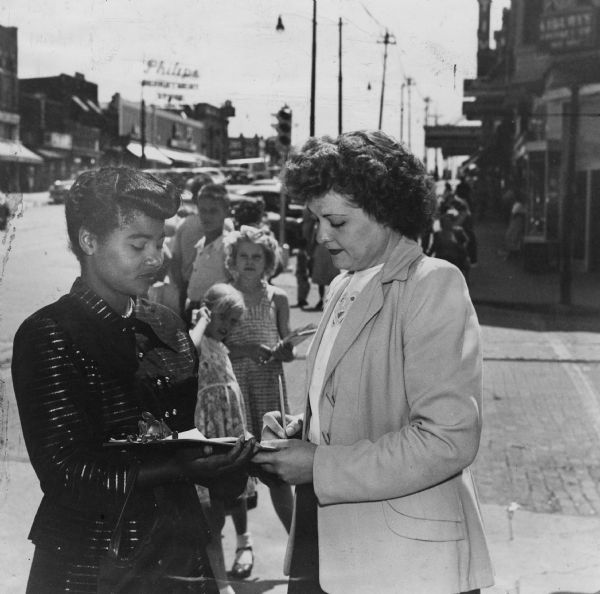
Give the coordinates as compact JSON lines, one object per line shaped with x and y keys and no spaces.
{"x":532,"y":553}
{"x":498,"y":282}
{"x":31,"y":199}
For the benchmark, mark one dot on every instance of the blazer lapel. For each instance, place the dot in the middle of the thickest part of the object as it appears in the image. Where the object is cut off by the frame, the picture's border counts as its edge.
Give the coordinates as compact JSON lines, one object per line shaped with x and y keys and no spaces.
{"x":369,"y":302}
{"x":314,"y":347}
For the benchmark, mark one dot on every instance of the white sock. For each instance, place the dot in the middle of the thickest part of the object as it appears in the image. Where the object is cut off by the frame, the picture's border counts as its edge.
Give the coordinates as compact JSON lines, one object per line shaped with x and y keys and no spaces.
{"x":244,"y":540}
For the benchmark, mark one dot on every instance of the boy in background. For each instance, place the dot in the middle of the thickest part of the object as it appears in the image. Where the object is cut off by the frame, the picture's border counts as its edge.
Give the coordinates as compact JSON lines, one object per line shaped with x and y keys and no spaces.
{"x":209,"y":264}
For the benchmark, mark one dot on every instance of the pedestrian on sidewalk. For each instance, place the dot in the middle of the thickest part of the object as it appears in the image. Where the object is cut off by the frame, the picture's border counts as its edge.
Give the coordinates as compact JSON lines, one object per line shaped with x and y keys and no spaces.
{"x":463,"y":190}
{"x":183,"y":246}
{"x":322,"y":270}
{"x":257,"y":354}
{"x":220,"y":410}
{"x":515,"y":232}
{"x":450,"y":243}
{"x":385,"y":501}
{"x":302,"y":273}
{"x":465,"y":220}
{"x":95,"y":366}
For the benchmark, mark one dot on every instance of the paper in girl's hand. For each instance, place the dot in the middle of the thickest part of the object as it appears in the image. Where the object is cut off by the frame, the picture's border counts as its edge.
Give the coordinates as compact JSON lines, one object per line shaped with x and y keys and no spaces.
{"x":299,"y":335}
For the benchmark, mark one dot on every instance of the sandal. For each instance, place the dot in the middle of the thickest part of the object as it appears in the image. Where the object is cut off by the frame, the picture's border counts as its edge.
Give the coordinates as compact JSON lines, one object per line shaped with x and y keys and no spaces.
{"x":242,"y":570}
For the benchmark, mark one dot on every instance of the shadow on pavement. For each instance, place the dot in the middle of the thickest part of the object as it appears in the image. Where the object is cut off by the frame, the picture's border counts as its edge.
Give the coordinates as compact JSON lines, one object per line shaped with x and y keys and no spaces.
{"x":537,"y":319}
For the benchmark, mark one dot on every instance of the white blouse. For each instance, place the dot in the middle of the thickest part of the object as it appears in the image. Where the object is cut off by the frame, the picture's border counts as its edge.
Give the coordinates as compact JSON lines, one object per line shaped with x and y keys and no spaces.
{"x":358,"y":281}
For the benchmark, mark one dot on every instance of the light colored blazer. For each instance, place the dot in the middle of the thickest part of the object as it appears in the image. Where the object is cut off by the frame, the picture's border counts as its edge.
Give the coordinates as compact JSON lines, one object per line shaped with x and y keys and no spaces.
{"x":400,"y":415}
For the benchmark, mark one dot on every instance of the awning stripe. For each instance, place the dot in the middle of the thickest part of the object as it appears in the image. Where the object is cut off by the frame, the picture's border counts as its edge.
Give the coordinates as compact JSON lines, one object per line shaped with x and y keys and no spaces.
{"x":13,"y":150}
{"x":182,"y":156}
{"x":150,"y":152}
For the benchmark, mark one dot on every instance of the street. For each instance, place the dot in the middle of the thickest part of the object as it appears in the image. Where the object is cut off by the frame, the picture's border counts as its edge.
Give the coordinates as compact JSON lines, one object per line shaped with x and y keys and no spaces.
{"x":540,"y":446}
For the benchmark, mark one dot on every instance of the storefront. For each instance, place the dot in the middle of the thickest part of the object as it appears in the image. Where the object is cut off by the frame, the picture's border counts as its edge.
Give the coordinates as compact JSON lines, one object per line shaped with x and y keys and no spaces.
{"x":17,"y":167}
{"x":538,"y":164}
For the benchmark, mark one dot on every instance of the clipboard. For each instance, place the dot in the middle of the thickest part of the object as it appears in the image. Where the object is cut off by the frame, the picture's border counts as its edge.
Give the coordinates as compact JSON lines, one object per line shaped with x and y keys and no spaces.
{"x":185,"y":439}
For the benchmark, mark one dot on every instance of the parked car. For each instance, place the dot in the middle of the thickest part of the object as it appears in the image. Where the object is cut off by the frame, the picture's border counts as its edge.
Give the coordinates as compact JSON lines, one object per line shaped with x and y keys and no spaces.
{"x":180,"y":178}
{"x":217,"y":176}
{"x":270,"y":194}
{"x":237,"y":175}
{"x":265,"y":182}
{"x":59,"y":188}
{"x":180,"y":175}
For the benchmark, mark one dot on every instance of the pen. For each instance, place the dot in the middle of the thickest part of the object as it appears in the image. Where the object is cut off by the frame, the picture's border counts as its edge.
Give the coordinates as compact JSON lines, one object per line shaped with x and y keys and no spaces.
{"x":282,"y":406}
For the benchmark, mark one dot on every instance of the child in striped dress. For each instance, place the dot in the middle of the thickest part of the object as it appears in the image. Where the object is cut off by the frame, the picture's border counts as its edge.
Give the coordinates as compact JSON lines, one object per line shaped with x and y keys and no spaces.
{"x":257,"y":353}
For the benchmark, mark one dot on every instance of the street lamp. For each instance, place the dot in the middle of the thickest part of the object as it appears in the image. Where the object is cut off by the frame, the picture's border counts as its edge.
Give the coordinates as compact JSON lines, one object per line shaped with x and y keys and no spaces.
{"x":313,"y":72}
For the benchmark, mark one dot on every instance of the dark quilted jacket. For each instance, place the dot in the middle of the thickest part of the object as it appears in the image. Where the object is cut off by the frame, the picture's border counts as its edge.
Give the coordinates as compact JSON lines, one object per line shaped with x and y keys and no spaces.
{"x":82,"y":375}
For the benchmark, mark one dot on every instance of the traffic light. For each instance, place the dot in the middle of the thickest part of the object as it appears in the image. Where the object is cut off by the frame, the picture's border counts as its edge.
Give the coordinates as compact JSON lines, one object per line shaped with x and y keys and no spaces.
{"x":284,"y":126}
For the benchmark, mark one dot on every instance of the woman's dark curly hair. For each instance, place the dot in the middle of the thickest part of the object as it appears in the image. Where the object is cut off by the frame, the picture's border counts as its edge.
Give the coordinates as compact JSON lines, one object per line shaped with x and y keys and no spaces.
{"x":372,"y":170}
{"x":102,"y":199}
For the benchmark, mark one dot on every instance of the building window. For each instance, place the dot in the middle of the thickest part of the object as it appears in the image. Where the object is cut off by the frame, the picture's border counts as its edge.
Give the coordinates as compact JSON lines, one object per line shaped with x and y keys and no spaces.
{"x":532,"y":11}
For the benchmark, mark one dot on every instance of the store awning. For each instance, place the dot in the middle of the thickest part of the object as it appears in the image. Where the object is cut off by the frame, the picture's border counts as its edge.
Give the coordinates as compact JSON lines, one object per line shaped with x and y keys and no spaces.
{"x":51,"y":155}
{"x":13,"y":150}
{"x":150,"y":152}
{"x":183,"y":156}
{"x":80,"y":103}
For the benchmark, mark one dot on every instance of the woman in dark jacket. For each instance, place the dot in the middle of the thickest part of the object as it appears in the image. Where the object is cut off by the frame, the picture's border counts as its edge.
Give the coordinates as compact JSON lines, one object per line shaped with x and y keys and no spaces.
{"x":85,"y":368}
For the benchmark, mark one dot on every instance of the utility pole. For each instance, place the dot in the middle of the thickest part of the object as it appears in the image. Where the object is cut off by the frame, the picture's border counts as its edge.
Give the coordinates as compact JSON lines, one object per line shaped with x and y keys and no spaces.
{"x":427,"y":102}
{"x":409,"y":83}
{"x":143,"y":129}
{"x":340,"y":77}
{"x":568,"y":199}
{"x":437,"y":171}
{"x":313,"y":63}
{"x":313,"y":70}
{"x":386,"y":41}
{"x":402,"y":111}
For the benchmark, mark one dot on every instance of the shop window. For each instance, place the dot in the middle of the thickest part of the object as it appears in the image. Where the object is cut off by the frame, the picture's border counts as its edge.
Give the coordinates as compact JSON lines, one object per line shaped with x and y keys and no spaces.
{"x":536,"y":172}
{"x":553,"y":195}
{"x":578,"y":204}
{"x":594,"y":263}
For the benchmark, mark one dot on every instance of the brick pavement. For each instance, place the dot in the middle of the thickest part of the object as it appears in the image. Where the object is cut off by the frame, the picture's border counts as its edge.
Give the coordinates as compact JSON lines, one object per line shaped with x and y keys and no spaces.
{"x":540,"y":442}
{"x":540,"y":445}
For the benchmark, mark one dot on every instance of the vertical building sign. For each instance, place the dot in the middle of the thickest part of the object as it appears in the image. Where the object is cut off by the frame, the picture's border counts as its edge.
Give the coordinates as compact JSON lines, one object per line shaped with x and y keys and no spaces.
{"x":567,"y":26}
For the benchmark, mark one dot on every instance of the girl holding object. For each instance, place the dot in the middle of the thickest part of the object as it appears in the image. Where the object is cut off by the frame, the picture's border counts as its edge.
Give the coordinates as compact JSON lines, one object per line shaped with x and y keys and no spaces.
{"x":257,"y":352}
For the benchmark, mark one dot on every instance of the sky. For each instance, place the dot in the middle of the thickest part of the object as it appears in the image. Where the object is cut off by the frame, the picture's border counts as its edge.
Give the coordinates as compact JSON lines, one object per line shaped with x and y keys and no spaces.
{"x":238,"y":55}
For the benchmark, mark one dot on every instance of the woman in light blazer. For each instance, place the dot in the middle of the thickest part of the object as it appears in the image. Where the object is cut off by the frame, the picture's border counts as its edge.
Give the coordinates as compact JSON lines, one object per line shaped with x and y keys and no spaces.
{"x":385,"y":501}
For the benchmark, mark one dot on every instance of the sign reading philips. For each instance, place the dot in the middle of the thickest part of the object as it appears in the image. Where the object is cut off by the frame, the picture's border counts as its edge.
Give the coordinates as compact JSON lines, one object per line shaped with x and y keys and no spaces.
{"x":162,"y":68}
{"x":170,"y":82}
{"x":569,"y":31}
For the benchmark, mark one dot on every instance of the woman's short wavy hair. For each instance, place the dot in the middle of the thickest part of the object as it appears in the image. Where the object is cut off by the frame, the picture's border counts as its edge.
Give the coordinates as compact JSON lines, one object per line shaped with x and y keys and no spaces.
{"x":101,"y":199}
{"x":372,"y":170}
{"x":255,"y":235}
